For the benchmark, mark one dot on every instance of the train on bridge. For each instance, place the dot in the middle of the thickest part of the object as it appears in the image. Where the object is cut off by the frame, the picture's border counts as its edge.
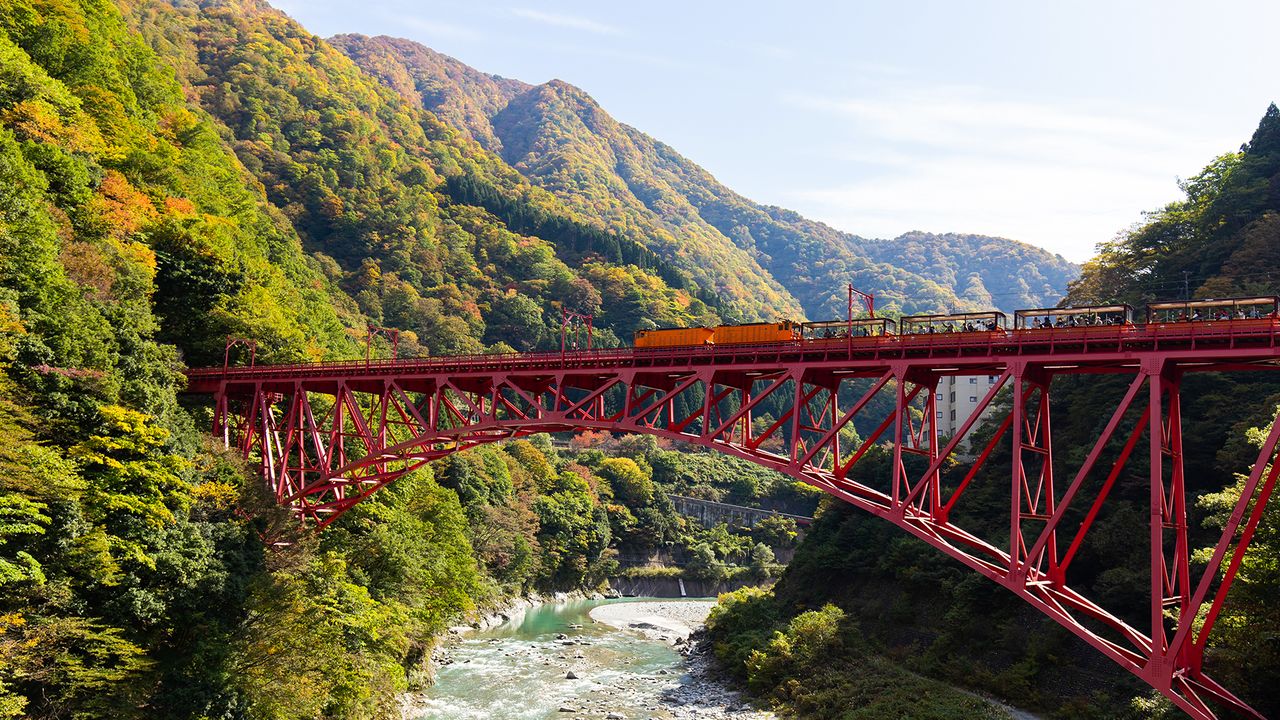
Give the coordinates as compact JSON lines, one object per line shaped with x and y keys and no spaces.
{"x":1109,"y":321}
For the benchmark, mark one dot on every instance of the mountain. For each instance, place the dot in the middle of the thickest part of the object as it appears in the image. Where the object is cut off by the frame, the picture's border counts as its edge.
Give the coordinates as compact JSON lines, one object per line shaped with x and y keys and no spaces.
{"x":455,"y":92}
{"x":978,"y":266}
{"x":562,"y":140}
{"x":419,"y":225}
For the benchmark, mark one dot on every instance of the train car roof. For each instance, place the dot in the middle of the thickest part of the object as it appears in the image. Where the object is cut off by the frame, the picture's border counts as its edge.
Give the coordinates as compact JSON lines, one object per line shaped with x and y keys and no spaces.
{"x":1078,"y":310}
{"x":952,"y":316}
{"x":1184,"y":304}
{"x":855,"y":321}
{"x":755,"y":324}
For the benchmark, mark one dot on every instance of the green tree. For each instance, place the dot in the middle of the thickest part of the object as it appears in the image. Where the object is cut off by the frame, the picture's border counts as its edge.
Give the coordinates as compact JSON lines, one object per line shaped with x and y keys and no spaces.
{"x":631,"y":485}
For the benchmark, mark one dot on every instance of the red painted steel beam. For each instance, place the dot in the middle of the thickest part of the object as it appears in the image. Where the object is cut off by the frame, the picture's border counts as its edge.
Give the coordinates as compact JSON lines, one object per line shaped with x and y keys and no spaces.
{"x":326,"y":436}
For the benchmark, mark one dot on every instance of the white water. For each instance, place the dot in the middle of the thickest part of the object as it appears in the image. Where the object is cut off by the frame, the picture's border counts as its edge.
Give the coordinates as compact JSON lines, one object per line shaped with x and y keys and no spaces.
{"x":517,"y":672}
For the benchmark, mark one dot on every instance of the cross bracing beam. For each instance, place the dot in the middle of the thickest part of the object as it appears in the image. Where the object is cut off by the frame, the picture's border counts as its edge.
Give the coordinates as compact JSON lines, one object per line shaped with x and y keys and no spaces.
{"x":327,"y":436}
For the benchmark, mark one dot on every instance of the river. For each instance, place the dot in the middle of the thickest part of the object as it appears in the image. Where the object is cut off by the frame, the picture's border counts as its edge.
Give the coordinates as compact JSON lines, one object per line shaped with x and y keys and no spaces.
{"x":517,"y":671}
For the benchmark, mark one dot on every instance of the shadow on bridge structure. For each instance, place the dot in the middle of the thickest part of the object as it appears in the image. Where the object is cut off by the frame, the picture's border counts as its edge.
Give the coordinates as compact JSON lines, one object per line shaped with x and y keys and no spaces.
{"x":325,"y":436}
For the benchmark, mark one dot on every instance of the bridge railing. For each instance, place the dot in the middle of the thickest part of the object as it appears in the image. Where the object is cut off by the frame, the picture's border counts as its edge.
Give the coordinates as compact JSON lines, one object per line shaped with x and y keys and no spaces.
{"x":1083,"y":338}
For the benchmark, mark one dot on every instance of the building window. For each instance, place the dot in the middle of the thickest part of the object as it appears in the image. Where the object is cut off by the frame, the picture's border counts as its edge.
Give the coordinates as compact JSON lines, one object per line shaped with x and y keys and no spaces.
{"x":953,"y":415}
{"x":991,"y":380}
{"x":973,"y":398}
{"x":953,"y":397}
{"x":973,"y":381}
{"x":939,"y":414}
{"x":939,"y":396}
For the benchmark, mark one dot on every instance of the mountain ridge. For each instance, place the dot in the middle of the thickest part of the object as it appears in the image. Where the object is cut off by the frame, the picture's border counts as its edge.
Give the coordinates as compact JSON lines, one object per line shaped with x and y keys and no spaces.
{"x":558,"y":137}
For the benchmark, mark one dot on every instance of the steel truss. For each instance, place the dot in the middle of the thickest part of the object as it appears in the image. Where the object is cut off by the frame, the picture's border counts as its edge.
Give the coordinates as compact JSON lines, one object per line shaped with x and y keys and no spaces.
{"x":327,"y":440}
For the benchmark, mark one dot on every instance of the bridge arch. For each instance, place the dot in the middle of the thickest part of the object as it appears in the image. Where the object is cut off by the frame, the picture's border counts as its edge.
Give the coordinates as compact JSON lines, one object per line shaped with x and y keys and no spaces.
{"x":325,"y":438}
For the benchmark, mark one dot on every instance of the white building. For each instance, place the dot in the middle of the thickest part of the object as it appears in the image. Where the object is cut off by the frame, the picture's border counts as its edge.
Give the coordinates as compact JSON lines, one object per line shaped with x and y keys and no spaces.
{"x":958,"y":398}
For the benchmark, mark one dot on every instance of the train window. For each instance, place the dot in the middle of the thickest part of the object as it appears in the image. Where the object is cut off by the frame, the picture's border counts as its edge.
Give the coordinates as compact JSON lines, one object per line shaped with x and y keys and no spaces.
{"x":952,"y":323}
{"x":1073,"y":317}
{"x":1244,"y":308}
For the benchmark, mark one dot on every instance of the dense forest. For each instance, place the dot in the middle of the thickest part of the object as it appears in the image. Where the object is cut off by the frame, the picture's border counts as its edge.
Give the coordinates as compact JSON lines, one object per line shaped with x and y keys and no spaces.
{"x":885,"y":588}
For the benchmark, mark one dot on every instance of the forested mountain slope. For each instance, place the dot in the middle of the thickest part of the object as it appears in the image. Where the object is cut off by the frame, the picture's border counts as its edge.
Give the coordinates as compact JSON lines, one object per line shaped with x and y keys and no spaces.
{"x":979,"y":267}
{"x":1222,"y":239}
{"x":560,"y":138}
{"x":140,"y":573}
{"x":372,"y":187}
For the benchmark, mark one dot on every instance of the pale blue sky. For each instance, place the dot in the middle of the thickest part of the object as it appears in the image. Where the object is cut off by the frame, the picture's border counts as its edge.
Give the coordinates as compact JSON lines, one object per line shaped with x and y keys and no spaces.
{"x":1052,"y":123}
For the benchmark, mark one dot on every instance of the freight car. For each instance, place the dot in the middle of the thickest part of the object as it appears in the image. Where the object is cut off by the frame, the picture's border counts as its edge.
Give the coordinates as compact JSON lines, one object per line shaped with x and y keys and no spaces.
{"x":757,"y":333}
{"x":673,"y":337}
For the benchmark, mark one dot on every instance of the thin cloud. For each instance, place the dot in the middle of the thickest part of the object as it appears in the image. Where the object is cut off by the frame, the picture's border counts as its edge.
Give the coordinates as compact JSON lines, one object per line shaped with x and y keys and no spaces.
{"x":1061,"y":175}
{"x":573,"y":22}
{"x":436,"y":28}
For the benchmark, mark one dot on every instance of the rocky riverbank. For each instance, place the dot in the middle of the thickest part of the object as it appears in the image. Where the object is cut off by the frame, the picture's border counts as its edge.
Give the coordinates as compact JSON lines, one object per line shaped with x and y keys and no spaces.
{"x":700,"y":692}
{"x":582,"y":660}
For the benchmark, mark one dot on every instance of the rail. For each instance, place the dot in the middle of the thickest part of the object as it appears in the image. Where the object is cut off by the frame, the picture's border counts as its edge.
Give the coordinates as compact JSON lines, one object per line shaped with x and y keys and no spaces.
{"x":1083,"y":339}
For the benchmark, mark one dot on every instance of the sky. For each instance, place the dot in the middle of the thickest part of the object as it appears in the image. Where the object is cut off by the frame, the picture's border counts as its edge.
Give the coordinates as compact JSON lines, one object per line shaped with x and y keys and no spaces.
{"x":1057,"y":124}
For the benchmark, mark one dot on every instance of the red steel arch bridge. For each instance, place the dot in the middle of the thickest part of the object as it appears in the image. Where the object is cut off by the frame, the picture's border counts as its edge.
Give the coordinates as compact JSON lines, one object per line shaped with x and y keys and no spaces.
{"x":328,"y":435}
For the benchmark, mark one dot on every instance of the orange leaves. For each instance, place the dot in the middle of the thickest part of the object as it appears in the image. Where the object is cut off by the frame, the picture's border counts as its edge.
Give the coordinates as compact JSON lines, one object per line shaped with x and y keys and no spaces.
{"x":123,"y":207}
{"x":180,"y":207}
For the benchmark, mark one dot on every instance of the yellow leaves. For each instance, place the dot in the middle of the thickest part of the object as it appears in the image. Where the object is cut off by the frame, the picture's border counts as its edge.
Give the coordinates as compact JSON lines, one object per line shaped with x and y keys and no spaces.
{"x":11,"y":621}
{"x":10,"y":321}
{"x":139,"y":256}
{"x":135,"y":430}
{"x":216,"y":494}
{"x":176,"y":122}
{"x":41,"y":121}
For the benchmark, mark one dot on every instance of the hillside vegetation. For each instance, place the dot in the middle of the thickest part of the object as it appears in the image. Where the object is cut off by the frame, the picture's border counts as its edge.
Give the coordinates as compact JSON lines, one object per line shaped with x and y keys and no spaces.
{"x":891,"y":587}
{"x":561,"y":139}
{"x":135,"y":233}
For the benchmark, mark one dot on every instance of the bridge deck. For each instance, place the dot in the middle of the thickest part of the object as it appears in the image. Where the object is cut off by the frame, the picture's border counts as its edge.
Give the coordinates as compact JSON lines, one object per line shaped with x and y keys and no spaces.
{"x":1093,"y":348}
{"x":325,"y":436}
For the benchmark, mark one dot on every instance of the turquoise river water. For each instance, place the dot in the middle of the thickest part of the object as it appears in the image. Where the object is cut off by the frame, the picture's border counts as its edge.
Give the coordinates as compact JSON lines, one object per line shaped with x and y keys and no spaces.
{"x":517,"y":671}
